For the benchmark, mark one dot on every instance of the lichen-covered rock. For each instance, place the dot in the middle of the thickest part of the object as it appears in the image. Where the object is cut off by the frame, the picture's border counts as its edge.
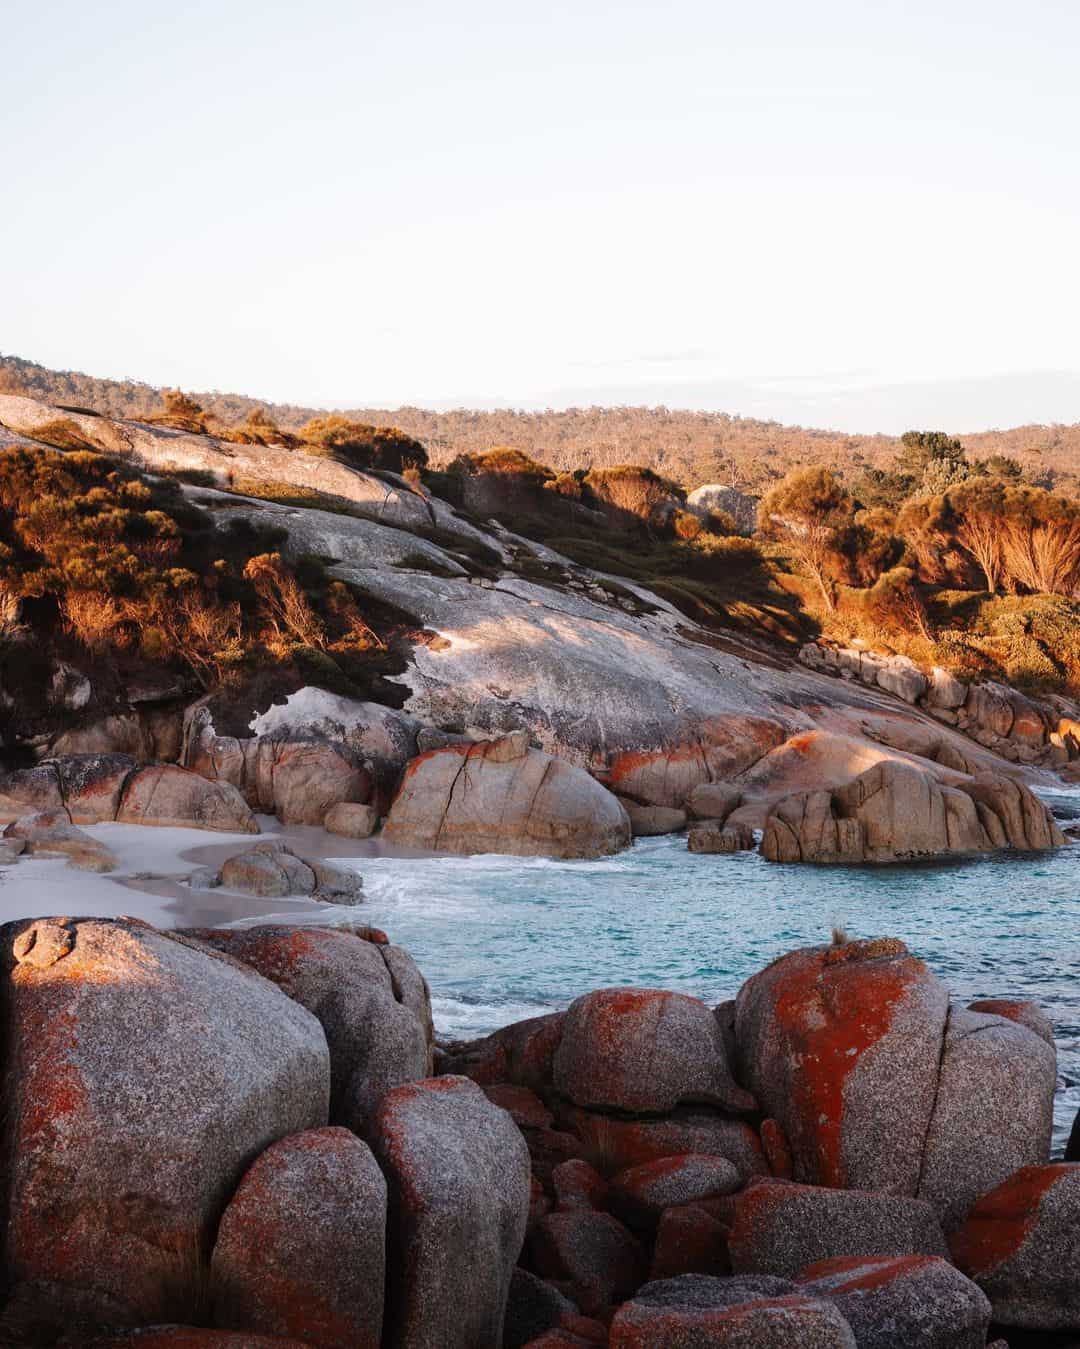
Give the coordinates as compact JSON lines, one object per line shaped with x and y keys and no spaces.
{"x":167,"y":795}
{"x":1020,"y":1010}
{"x":591,"y":1253}
{"x":690,"y":1239}
{"x":640,"y":1194}
{"x":192,"y":1337}
{"x":701,"y":1312}
{"x":722,"y":748}
{"x":614,"y":1142}
{"x":93,"y":784}
{"x":370,"y":998}
{"x":458,"y":1176}
{"x":501,"y":796}
{"x":646,"y":1051}
{"x":994,"y":1111}
{"x":779,"y":1227}
{"x":23,"y":791}
{"x":144,"y":1074}
{"x":301,"y":1247}
{"x":1021,"y":1245}
{"x":841,"y":1047}
{"x":521,"y":1053}
{"x":895,"y":1302}
{"x":577,"y":1185}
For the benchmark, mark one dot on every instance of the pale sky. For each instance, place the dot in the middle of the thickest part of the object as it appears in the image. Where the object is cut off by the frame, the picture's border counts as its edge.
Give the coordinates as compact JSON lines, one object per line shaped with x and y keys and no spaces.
{"x":854,"y":213}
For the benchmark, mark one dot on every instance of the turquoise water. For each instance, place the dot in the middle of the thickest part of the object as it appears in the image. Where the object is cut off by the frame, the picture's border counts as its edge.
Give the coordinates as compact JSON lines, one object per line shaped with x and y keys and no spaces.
{"x":503,"y":938}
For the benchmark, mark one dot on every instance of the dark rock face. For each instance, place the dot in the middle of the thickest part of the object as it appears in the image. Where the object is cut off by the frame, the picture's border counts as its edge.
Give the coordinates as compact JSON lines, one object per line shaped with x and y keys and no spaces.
{"x":458,"y":1176}
{"x":533,"y":1307}
{"x":143,"y":1075}
{"x":916,"y":1300}
{"x":699,"y":1312}
{"x":1021,"y":1245}
{"x":644,"y":1050}
{"x":779,"y":1227}
{"x":502,"y":796}
{"x":356,"y":989}
{"x":592,"y":1254}
{"x":301,"y":1247}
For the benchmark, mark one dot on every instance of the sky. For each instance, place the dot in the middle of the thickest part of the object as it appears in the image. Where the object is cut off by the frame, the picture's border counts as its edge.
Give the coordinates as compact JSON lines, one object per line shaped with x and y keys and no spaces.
{"x":861,"y":214}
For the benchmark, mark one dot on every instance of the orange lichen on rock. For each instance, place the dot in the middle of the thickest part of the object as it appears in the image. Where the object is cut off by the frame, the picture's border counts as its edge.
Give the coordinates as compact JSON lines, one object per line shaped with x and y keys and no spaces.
{"x":1000,"y":1223}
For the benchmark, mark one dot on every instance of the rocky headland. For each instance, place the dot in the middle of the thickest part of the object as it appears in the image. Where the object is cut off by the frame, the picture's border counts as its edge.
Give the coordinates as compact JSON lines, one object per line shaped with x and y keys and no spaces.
{"x":539,"y":707}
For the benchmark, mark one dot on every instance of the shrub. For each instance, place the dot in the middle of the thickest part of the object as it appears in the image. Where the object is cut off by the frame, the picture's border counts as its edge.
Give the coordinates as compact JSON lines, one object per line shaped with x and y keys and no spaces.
{"x":180,"y":412}
{"x":361,"y":446}
{"x":808,"y":509}
{"x":629,"y":490}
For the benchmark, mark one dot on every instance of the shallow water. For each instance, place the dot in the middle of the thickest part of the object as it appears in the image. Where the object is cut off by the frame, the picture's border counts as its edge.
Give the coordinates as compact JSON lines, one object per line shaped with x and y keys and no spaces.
{"x":503,"y":938}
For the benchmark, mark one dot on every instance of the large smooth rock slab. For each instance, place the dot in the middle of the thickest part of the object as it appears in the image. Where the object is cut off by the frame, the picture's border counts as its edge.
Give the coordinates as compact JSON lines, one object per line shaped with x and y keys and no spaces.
{"x":144,"y":1074}
{"x":167,"y":795}
{"x":1021,"y":1245}
{"x":371,"y":999}
{"x":779,"y":1227}
{"x":501,"y":796}
{"x":644,"y":1051}
{"x":841,"y":1047}
{"x":910,"y":1302}
{"x":994,"y":1111}
{"x":301,"y":1248}
{"x":458,"y":1176}
{"x":703,"y":1312}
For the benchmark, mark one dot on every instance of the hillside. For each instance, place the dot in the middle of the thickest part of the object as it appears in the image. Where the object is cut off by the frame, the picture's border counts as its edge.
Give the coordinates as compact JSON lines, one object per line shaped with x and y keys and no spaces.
{"x":689,"y":447}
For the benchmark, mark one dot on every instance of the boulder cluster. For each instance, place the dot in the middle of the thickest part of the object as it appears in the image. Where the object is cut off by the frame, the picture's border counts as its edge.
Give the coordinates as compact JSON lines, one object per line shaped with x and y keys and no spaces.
{"x":1022,"y":729}
{"x":896,"y":811}
{"x":249,"y":1137}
